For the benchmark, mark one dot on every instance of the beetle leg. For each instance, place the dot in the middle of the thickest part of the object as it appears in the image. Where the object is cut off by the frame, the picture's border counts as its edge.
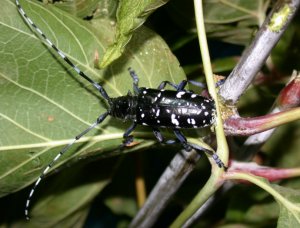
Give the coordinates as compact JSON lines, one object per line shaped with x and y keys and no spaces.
{"x":181,"y":85}
{"x":198,"y":84}
{"x":127,"y":137}
{"x":158,"y":135}
{"x":216,"y":158}
{"x":188,"y":147}
{"x":135,"y":79}
{"x":182,"y":140}
{"x":203,"y":86}
{"x":164,"y":83}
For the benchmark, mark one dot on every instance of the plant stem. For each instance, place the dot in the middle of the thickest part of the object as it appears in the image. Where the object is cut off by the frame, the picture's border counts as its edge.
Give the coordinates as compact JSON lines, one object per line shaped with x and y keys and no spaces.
{"x":215,"y":179}
{"x":264,"y":184}
{"x":250,"y":126}
{"x":203,"y":195}
{"x":221,"y":140}
{"x":178,"y":170}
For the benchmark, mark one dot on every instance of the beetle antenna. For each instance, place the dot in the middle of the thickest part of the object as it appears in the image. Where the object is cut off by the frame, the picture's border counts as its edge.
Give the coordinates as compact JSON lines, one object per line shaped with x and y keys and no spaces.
{"x":64,"y":150}
{"x":60,"y":53}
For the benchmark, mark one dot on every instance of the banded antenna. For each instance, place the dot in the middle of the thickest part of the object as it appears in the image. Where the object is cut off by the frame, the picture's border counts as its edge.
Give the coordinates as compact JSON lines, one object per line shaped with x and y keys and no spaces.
{"x":96,"y":85}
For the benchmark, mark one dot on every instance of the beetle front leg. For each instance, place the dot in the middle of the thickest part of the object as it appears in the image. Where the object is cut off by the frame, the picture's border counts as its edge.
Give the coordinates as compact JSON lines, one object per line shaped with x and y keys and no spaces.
{"x":163,"y":84}
{"x":135,"y":79}
{"x":128,"y":139}
{"x":160,"y":137}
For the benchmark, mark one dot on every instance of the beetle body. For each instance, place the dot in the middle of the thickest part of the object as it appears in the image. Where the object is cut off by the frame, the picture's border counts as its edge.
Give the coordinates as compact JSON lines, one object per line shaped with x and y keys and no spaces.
{"x":164,"y":109}
{"x":173,"y":109}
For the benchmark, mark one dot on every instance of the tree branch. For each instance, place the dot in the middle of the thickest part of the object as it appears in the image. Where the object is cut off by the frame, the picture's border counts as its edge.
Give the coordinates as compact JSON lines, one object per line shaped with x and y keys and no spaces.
{"x":257,"y":53}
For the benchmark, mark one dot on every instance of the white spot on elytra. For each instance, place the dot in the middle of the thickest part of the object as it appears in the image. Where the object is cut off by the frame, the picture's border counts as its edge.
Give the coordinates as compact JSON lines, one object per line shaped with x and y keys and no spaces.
{"x":143,"y":115}
{"x":158,"y":121}
{"x":184,"y":110}
{"x":193,"y":121}
{"x":193,"y":95}
{"x":204,"y":121}
{"x":159,"y":95}
{"x":168,"y":111}
{"x":157,"y":112}
{"x":206,"y":113}
{"x":179,"y":94}
{"x":144,"y":124}
{"x":189,"y":120}
{"x":174,"y":120}
{"x":144,"y":92}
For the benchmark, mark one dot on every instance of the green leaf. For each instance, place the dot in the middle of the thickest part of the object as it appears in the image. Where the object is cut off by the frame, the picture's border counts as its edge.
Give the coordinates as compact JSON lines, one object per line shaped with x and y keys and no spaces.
{"x":288,"y":199}
{"x":230,"y":11}
{"x":44,"y":103}
{"x":64,"y":200}
{"x":89,"y":8}
{"x":131,"y":15}
{"x":231,"y":21}
{"x":80,"y":8}
{"x":289,"y":207}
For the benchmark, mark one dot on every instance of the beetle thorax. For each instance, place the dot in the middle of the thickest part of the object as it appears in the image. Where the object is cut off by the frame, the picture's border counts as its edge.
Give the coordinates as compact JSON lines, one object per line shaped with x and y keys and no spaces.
{"x":123,"y":107}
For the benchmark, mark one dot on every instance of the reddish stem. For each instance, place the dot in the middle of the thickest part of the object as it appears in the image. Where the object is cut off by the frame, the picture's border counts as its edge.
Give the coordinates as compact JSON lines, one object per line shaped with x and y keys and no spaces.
{"x":289,"y":97}
{"x":272,"y":174}
{"x":249,"y":126}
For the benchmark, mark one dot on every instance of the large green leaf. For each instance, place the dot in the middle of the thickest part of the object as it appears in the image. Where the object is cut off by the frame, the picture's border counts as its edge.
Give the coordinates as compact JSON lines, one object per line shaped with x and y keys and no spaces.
{"x":44,"y":103}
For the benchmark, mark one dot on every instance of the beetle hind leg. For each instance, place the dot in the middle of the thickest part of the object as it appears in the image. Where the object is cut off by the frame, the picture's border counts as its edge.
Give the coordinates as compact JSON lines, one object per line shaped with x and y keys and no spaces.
{"x":182,"y":140}
{"x":188,"y":147}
